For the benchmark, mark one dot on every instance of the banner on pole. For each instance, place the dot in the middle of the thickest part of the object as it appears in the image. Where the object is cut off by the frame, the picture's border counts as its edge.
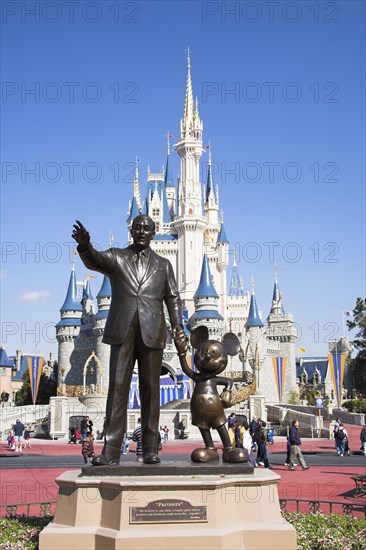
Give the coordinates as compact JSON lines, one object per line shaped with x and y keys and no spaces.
{"x":337,"y":363}
{"x":279,"y":367}
{"x":35,"y":365}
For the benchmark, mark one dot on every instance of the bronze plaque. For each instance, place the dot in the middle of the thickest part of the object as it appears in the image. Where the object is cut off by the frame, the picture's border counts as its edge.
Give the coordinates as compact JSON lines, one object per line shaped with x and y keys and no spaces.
{"x":168,"y":511}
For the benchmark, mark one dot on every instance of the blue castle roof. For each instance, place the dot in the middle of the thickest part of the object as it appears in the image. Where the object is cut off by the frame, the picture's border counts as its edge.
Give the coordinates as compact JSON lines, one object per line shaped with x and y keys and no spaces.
{"x":102,"y":314}
{"x":87,"y":295}
{"x":168,"y":179}
{"x":69,"y":322}
{"x":222,"y":238}
{"x":165,"y":237}
{"x":206,"y":314}
{"x":253,"y":317}
{"x":206,"y":287}
{"x":71,"y":302}
{"x":106,"y":289}
{"x":310,"y":364}
{"x":134,"y":210}
{"x":4,"y":359}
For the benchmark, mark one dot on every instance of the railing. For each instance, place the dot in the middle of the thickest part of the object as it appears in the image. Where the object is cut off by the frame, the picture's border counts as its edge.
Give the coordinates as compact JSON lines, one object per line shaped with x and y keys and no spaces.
{"x":314,"y":506}
{"x":45,"y":508}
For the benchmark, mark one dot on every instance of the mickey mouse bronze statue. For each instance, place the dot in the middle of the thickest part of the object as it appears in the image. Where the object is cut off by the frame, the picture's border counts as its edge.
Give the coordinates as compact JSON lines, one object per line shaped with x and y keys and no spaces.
{"x":207,"y":405}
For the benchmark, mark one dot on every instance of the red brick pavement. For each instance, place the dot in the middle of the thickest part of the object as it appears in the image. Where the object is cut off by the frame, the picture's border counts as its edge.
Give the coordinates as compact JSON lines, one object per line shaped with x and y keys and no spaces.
{"x":320,"y":482}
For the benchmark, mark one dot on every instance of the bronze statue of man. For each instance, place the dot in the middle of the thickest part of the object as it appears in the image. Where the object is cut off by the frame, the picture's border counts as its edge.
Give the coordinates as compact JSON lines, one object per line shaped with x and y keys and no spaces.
{"x":141,"y":283}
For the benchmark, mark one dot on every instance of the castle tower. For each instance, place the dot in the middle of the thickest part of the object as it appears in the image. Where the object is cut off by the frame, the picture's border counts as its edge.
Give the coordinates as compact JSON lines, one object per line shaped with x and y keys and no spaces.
{"x":189,"y":223}
{"x":103,"y":350}
{"x":282,"y":336}
{"x":68,"y":328}
{"x":206,"y":302}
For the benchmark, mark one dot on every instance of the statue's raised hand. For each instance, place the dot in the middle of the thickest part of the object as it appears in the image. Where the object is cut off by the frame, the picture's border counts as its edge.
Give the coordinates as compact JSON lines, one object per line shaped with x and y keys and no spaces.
{"x":81,"y":235}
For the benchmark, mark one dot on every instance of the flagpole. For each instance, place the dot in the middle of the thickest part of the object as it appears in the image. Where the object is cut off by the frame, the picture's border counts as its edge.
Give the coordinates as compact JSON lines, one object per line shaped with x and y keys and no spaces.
{"x":343,"y":323}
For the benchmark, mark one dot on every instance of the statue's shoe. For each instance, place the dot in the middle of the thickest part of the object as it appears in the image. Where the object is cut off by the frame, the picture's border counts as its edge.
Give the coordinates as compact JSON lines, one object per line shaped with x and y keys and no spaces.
{"x":151,"y":458}
{"x":235,"y":454}
{"x":104,"y":460}
{"x":205,"y":454}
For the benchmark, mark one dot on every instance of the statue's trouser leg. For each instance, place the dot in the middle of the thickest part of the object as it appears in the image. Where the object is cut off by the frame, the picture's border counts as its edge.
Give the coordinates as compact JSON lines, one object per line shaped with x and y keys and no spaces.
{"x":122,"y":361}
{"x":149,"y":366}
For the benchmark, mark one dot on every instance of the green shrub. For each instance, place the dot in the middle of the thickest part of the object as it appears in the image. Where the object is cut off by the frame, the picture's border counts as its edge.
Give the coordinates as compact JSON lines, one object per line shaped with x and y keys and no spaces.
{"x":21,"y":532}
{"x":355,"y":405}
{"x":321,"y":532}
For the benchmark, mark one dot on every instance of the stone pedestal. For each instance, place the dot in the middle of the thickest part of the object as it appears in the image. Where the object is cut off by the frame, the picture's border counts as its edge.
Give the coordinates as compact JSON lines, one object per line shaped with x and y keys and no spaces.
{"x":220,"y":511}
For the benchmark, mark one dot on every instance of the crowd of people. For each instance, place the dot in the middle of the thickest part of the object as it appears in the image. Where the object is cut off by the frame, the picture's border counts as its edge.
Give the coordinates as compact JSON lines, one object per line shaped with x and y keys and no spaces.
{"x":253,"y":437}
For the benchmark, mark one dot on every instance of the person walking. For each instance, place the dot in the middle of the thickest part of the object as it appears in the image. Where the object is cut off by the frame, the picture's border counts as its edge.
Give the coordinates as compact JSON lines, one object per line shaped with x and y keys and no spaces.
{"x":247,"y":443}
{"x":18,"y":429}
{"x":27,"y":442}
{"x":341,"y":438}
{"x":295,"y":443}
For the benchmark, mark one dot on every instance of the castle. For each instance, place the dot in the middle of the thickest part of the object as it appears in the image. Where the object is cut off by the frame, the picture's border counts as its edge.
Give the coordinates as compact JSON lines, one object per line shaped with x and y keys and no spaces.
{"x":190,"y":233}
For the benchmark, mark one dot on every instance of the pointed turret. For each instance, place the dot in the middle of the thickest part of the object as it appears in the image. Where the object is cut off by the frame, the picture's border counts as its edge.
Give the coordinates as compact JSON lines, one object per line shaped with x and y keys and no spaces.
{"x":206,"y":301}
{"x":105,"y":289}
{"x":236,"y":287}
{"x":71,"y":302}
{"x":253,"y":318}
{"x":68,"y":328}
{"x":87,"y":295}
{"x":210,"y":193}
{"x":222,"y":238}
{"x":205,"y":287}
{"x":277,"y":305}
{"x":104,"y":298}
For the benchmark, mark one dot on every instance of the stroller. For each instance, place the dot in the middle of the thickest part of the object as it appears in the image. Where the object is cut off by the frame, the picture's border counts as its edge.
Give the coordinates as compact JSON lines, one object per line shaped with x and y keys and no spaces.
{"x":270,"y":436}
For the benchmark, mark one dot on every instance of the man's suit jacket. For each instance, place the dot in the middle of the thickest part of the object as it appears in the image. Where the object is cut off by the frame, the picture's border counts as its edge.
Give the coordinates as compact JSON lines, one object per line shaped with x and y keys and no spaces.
{"x":129,"y":295}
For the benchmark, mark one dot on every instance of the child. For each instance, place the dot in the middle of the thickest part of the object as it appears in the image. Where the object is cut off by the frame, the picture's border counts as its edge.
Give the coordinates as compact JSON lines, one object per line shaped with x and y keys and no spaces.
{"x":27,"y":438}
{"x":87,"y":448}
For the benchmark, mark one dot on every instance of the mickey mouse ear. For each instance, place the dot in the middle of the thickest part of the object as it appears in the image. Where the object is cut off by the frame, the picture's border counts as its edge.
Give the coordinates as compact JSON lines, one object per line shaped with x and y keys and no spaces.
{"x":198,"y":336}
{"x":230,"y":343}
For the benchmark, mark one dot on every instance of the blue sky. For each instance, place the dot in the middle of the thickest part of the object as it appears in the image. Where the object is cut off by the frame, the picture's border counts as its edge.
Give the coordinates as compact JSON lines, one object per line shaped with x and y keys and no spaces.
{"x":281,"y":94}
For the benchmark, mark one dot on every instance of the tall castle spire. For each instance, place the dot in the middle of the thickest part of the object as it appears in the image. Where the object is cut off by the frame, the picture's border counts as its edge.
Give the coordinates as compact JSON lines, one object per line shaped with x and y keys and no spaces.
{"x":188,"y":118}
{"x":136,"y":185}
{"x":189,"y":223}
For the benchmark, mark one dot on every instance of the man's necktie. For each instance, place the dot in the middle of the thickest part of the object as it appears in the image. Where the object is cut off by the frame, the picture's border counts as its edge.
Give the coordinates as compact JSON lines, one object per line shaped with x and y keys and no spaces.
{"x":139,"y":265}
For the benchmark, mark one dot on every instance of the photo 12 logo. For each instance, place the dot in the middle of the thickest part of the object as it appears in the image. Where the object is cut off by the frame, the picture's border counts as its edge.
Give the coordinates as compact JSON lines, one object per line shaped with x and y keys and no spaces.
{"x":70,"y":11}
{"x":69,"y":92}
{"x":269,"y":12}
